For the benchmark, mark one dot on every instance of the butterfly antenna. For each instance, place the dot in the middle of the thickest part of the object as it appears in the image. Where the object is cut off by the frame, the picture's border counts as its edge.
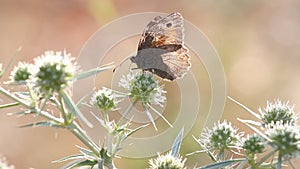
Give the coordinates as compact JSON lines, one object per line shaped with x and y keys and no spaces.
{"x":124,"y":60}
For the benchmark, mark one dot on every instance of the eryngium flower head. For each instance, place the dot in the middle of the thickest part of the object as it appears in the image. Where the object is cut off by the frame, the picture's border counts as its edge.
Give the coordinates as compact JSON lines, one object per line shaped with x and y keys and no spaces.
{"x":103,"y":99}
{"x":285,"y":138}
{"x":143,"y":87}
{"x":278,"y":111}
{"x":21,"y":73}
{"x":222,"y":136}
{"x":254,"y":144}
{"x":167,"y":161}
{"x":55,"y":71}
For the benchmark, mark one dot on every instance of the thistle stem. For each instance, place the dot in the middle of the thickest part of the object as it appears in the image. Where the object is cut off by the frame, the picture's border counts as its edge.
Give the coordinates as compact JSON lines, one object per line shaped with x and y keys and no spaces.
{"x":63,"y":110}
{"x":82,"y":136}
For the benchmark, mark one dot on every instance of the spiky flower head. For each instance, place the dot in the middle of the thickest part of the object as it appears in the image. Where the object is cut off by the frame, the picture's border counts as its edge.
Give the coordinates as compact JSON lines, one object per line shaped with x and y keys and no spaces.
{"x":21,"y":73}
{"x":167,"y":161}
{"x":278,"y":111}
{"x":55,"y":71}
{"x":221,"y":137}
{"x":285,"y":138}
{"x":104,"y":99}
{"x":254,"y":144}
{"x":143,"y":87}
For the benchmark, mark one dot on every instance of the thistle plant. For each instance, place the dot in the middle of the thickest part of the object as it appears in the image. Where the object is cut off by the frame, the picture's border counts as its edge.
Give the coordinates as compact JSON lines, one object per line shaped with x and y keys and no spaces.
{"x":21,"y":73}
{"x":222,"y":138}
{"x":144,"y":88}
{"x":46,"y":92}
{"x":47,"y":82}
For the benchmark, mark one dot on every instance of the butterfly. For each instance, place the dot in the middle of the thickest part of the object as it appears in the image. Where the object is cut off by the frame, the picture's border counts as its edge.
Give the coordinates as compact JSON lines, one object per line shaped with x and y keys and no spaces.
{"x":161,"y":49}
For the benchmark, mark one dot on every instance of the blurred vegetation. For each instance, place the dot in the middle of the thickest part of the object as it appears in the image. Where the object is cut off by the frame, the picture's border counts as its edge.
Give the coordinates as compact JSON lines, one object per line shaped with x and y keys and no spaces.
{"x":257,"y":41}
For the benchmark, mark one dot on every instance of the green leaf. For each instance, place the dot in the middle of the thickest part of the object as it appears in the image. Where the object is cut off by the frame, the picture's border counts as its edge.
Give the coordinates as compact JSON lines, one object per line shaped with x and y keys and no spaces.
{"x":86,"y":163}
{"x":177,"y":143}
{"x":222,"y":164}
{"x":88,"y":154}
{"x":160,"y":115}
{"x":71,"y":157}
{"x":10,"y":61}
{"x":85,"y":151}
{"x":99,"y":120}
{"x":149,"y":116}
{"x":244,"y":107}
{"x":9,"y":105}
{"x":82,"y":99}
{"x":94,"y":71}
{"x":79,"y":163}
{"x":71,"y":165}
{"x":257,"y":131}
{"x":42,"y":124}
{"x":74,"y":109}
{"x":135,"y":130}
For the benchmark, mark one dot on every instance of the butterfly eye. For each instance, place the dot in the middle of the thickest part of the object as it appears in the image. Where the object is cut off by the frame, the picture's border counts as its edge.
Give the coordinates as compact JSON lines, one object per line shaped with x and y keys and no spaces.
{"x":169,"y":25}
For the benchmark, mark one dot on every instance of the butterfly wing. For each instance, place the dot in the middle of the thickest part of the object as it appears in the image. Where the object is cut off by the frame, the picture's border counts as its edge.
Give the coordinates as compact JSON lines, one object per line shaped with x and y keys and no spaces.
{"x":163,"y":32}
{"x":178,"y":62}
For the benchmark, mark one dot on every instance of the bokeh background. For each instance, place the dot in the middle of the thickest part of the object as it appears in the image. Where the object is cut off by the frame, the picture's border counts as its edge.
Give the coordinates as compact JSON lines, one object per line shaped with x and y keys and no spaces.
{"x":258,"y":43}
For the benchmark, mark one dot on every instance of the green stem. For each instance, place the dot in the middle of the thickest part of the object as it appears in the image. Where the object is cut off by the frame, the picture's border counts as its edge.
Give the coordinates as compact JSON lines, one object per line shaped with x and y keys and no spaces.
{"x":110,"y":144}
{"x":264,"y":158}
{"x":74,"y":127}
{"x":220,"y":156}
{"x":82,"y":136}
{"x":279,"y":161}
{"x":117,"y":146}
{"x":63,"y":110}
{"x":106,"y":117}
{"x":23,"y":103}
{"x":13,"y":97}
{"x":48,"y":116}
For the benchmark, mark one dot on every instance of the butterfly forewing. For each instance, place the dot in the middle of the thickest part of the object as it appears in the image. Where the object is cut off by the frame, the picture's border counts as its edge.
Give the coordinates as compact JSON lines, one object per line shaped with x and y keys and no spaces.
{"x":163,"y":31}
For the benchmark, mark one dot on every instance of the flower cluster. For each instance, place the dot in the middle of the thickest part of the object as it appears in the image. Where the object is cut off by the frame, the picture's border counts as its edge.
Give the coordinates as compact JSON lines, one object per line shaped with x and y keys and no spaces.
{"x":143,"y":87}
{"x":55,"y":71}
{"x":285,"y":138}
{"x":167,"y":161}
{"x":221,"y":137}
{"x":51,"y":72}
{"x":277,"y":111}
{"x":254,"y":144}
{"x":103,"y":99}
{"x":21,"y":73}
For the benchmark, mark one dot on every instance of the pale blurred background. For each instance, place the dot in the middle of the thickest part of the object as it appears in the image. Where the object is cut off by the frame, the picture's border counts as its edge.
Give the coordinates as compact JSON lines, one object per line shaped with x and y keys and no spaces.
{"x":258,"y":43}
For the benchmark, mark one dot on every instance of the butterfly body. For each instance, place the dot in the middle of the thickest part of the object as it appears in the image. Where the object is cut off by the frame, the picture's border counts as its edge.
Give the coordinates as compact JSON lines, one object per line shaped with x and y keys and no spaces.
{"x":161,"y":49}
{"x":151,"y":60}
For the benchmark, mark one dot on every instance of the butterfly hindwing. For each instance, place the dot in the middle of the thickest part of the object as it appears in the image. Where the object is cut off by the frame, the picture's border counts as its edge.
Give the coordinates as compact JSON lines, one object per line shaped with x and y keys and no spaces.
{"x":178,"y":61}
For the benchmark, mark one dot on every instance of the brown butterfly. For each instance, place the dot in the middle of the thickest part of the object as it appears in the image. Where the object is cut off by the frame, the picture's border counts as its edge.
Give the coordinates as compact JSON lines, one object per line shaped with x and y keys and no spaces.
{"x":161,"y":49}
